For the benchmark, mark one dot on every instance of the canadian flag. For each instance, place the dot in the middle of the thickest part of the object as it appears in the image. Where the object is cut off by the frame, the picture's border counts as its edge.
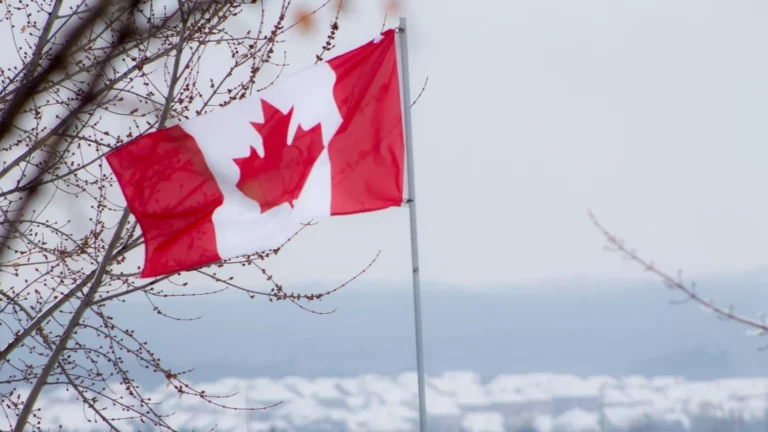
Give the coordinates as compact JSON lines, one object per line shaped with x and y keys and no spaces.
{"x":325,"y":141}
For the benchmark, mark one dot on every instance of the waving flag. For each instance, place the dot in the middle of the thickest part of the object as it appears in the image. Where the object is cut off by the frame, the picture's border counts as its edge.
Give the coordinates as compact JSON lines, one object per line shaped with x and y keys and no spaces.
{"x":325,"y":141}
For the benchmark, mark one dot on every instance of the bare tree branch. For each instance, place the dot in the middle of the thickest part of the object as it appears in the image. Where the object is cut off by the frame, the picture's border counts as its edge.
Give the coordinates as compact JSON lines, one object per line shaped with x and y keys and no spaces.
{"x":91,"y":76}
{"x":615,"y":244}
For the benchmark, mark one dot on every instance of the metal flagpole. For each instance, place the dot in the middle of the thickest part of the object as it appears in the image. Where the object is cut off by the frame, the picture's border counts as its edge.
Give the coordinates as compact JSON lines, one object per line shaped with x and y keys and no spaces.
{"x":406,"y":98}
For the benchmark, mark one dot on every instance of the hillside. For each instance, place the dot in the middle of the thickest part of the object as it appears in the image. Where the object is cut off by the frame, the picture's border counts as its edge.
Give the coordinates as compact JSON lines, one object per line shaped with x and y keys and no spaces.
{"x":573,"y":327}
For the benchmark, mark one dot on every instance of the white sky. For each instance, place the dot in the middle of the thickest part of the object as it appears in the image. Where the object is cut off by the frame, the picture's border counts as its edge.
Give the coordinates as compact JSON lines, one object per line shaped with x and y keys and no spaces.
{"x":652,"y":113}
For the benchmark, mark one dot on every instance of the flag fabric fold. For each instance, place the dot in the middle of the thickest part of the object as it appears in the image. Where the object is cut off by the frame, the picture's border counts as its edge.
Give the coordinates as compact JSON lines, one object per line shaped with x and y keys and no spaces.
{"x":326,"y":141}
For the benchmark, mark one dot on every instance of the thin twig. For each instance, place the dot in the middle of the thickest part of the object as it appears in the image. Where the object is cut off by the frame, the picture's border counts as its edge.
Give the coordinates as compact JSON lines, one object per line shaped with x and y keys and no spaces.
{"x":617,"y":245}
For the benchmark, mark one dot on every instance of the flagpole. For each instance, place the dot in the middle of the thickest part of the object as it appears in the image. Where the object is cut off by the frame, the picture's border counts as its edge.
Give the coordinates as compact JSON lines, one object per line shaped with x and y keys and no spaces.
{"x":406,"y":98}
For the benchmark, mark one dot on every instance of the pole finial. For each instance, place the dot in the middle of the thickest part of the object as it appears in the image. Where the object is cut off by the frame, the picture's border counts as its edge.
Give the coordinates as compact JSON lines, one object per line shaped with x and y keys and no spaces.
{"x":401,"y":25}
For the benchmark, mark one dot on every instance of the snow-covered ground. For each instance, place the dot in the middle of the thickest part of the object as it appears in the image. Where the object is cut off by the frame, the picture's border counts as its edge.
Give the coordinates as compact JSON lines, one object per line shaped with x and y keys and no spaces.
{"x":457,"y":401}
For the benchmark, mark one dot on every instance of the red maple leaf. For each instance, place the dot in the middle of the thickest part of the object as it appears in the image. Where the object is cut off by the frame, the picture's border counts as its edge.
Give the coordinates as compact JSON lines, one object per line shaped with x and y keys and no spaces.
{"x":280,"y":175}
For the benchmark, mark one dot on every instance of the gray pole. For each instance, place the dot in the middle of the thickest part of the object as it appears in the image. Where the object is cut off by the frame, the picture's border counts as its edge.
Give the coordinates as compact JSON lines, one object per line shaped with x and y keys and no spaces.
{"x":602,"y":408}
{"x":406,"y":98}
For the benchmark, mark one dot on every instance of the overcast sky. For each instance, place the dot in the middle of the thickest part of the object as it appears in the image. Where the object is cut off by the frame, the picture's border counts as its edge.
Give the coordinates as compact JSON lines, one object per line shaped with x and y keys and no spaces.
{"x":652,"y":113}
